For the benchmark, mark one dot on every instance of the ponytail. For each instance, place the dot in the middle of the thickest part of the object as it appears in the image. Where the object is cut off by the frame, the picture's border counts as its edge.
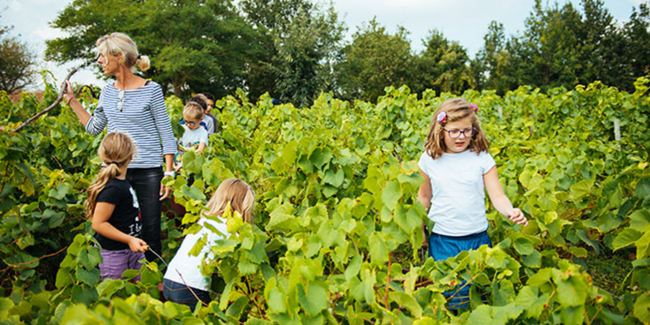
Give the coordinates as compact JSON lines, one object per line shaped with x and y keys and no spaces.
{"x":106,"y":174}
{"x":115,"y":151}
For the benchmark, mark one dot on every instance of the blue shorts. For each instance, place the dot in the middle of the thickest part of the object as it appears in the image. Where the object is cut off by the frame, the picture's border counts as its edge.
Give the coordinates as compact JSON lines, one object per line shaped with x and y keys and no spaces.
{"x":442,"y":247}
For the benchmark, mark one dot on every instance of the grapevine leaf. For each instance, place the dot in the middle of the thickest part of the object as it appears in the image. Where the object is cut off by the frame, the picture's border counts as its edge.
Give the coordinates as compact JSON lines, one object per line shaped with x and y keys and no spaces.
{"x":643,"y":188}
{"x":581,"y":188}
{"x":642,"y":307}
{"x":408,"y":301}
{"x":626,"y":238}
{"x":391,"y":194}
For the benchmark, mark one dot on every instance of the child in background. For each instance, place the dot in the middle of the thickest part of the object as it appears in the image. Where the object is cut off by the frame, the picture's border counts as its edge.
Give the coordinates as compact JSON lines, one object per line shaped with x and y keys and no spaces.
{"x":206,"y":121}
{"x":457,"y":168}
{"x":194,"y":137}
{"x":210,"y":104}
{"x":114,"y":210}
{"x":184,"y":268}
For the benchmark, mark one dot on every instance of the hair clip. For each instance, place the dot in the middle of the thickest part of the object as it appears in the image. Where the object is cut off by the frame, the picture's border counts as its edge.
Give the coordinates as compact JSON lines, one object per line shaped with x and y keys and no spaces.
{"x":442,"y":117}
{"x":475,"y":107}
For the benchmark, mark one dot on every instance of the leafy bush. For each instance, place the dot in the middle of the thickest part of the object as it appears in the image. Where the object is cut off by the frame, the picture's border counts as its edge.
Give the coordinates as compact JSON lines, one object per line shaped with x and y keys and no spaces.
{"x":337,"y":232}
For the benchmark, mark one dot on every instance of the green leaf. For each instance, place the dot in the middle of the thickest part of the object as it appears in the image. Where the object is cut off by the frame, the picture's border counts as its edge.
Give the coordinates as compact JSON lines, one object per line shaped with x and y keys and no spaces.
{"x":643,"y":188}
{"x":89,"y":277}
{"x":642,"y":245}
{"x":235,"y":309}
{"x":540,"y":278}
{"x":626,"y":238}
{"x":5,"y":305}
{"x":84,"y":294}
{"x":109,"y":287}
{"x":405,"y":300}
{"x":573,"y":315}
{"x":274,"y":297}
{"x":571,"y":291}
{"x":320,"y":157}
{"x":334,"y":178}
{"x":378,"y":250}
{"x":63,"y":278}
{"x":353,"y":268}
{"x":642,"y":307}
{"x":532,"y":303}
{"x":524,"y":246}
{"x":639,"y":219}
{"x":533,"y":260}
{"x":315,"y":299}
{"x":581,"y":188}
{"x":391,"y":194}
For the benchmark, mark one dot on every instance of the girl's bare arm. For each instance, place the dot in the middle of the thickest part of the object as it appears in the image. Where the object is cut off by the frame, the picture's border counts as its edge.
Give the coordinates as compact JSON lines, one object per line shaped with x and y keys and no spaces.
{"x":103,"y":212}
{"x":499,"y":199}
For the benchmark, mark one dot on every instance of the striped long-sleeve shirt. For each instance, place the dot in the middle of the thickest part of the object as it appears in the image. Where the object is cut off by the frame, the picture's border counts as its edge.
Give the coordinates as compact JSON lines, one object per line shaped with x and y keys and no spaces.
{"x":141,"y":114}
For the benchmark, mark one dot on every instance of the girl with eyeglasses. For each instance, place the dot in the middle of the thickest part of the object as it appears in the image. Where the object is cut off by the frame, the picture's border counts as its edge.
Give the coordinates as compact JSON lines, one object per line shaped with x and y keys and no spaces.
{"x":134,"y":106}
{"x":457,"y":169}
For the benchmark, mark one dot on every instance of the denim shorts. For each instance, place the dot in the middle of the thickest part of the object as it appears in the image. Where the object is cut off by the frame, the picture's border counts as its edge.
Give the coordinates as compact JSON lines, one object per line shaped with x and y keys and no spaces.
{"x":114,"y":263}
{"x":442,"y":247}
{"x":181,"y":294}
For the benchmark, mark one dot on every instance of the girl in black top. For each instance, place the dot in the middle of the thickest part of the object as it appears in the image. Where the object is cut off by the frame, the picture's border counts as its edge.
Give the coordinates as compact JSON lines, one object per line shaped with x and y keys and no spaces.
{"x":114,"y":209}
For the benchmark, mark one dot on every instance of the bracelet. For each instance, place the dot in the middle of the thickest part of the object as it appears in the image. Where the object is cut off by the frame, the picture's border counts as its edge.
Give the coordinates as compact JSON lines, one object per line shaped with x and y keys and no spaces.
{"x":170,"y":173}
{"x":69,"y":100}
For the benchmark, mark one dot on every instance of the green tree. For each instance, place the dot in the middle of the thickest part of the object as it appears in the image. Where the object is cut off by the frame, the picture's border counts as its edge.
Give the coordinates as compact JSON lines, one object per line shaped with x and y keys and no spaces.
{"x":301,"y":40}
{"x":493,"y":65}
{"x":637,"y":34}
{"x":550,"y":51}
{"x":194,"y":45}
{"x":444,"y":65}
{"x":373,"y":61}
{"x":17,"y":63}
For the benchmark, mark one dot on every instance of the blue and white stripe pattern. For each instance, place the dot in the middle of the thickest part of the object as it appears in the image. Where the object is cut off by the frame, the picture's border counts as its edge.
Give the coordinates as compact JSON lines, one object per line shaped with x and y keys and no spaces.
{"x":143,"y":117}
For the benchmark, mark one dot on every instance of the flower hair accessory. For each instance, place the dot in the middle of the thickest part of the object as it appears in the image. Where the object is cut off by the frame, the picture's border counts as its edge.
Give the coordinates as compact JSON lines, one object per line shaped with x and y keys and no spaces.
{"x":442,"y":117}
{"x":474,"y":107}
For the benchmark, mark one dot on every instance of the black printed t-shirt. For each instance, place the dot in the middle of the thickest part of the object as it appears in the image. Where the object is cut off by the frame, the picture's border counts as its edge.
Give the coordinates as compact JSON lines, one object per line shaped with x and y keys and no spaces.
{"x":126,"y":215}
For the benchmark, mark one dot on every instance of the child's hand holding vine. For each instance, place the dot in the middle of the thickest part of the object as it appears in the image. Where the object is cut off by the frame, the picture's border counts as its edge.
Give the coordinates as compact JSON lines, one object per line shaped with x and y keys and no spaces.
{"x":518,"y":217}
{"x":137,"y":245}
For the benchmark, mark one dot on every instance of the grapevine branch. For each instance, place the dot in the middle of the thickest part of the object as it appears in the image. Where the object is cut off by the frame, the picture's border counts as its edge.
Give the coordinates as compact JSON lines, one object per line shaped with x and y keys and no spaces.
{"x":56,"y":102}
{"x":30,"y":262}
{"x":192,"y":291}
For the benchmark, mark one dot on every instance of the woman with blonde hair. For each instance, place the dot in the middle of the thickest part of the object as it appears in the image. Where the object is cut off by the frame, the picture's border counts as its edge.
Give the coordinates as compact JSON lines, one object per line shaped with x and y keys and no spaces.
{"x":183,"y":282}
{"x":114,"y":210}
{"x":135,"y":106}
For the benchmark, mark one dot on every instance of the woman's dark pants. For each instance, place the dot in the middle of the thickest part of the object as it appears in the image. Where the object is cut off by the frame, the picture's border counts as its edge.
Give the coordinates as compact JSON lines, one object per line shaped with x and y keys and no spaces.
{"x":146,"y":183}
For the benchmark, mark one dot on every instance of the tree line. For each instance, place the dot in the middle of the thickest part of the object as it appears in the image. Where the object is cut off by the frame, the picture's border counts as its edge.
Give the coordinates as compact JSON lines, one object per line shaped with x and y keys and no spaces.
{"x":294,"y":49}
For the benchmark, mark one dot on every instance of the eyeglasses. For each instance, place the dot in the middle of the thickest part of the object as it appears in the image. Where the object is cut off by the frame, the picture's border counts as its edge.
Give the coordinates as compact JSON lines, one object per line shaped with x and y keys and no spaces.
{"x":455,"y":133}
{"x":120,"y":104}
{"x":190,"y":123}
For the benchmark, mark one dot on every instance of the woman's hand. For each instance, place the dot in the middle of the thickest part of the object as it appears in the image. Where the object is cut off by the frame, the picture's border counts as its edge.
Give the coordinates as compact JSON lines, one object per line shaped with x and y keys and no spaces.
{"x":137,"y":245}
{"x":164,"y":190}
{"x":68,"y":93}
{"x":518,"y":217}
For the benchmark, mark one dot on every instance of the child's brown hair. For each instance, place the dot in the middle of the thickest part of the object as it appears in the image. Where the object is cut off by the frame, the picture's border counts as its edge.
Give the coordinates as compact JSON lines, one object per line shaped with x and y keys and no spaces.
{"x":455,"y":109}
{"x":115,"y":150}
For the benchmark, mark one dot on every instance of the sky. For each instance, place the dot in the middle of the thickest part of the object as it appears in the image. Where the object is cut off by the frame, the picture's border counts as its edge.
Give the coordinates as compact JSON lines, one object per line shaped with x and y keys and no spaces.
{"x":464,"y":21}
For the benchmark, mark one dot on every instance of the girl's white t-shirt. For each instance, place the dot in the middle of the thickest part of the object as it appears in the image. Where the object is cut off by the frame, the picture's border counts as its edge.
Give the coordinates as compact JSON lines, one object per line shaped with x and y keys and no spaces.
{"x":458,"y":200}
{"x":189,"y":266}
